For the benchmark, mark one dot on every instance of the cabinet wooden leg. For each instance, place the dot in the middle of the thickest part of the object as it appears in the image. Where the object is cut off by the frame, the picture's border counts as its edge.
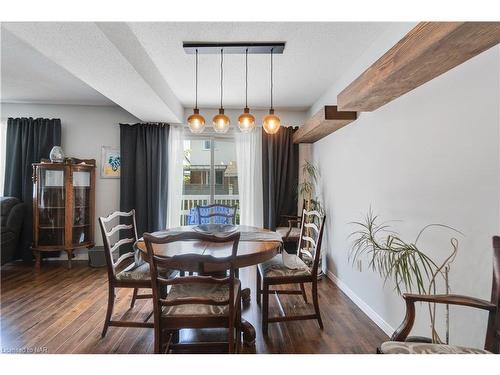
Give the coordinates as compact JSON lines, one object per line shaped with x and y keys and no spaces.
{"x":38,"y":259}
{"x":70,"y":257}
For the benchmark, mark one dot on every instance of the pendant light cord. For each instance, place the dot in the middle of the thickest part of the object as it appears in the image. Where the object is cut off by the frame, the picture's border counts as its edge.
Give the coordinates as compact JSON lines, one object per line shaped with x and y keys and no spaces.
{"x":272,"y":78}
{"x":246,"y":78}
{"x":221,"y":75}
{"x":196,"y":80}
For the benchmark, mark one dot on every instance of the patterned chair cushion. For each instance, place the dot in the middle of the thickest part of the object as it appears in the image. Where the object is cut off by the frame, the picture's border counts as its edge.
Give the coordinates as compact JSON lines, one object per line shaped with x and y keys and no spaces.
{"x":395,"y":347}
{"x":213,"y":291}
{"x":136,"y":272}
{"x":276,"y":268}
{"x":294,"y":233}
{"x":194,"y":219}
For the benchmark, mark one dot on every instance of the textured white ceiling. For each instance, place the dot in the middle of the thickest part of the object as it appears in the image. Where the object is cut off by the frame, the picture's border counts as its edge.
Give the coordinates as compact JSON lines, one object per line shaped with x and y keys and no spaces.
{"x":316,"y":54}
{"x":28,"y":76}
{"x":143,"y":68}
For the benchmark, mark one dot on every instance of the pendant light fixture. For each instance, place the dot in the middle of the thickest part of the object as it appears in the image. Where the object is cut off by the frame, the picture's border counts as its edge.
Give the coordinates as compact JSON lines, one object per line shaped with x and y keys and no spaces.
{"x":246,"y":121}
{"x":271,"y":123}
{"x":196,"y":121}
{"x":221,"y":122}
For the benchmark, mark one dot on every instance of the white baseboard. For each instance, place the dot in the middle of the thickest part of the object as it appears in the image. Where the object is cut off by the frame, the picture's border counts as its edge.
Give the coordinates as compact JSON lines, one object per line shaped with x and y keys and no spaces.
{"x":377,"y":319}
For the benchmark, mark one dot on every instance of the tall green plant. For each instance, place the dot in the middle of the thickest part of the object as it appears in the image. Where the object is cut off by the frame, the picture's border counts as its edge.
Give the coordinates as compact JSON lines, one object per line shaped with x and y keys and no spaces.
{"x":402,"y":262}
{"x":310,"y":175}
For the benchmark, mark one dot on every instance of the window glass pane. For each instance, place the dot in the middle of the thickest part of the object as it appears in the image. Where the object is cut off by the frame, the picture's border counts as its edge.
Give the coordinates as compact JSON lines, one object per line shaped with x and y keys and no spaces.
{"x":198,"y":189}
{"x":196,"y":186}
{"x":226,"y":172}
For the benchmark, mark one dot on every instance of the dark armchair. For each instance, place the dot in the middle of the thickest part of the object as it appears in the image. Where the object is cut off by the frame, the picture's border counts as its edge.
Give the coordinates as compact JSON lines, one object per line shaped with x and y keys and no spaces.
{"x":13,"y":211}
{"x":399,"y":345}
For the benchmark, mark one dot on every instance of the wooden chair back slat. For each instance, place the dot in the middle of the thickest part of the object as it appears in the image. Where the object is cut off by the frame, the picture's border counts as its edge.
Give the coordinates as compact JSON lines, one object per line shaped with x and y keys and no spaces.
{"x":309,"y":239}
{"x":118,"y":228}
{"x":313,"y":226}
{"x":116,"y":214}
{"x":121,"y":242}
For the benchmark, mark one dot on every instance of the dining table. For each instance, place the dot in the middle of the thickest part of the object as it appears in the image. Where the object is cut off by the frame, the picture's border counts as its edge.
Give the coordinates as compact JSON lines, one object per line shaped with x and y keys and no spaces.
{"x":256,"y":245}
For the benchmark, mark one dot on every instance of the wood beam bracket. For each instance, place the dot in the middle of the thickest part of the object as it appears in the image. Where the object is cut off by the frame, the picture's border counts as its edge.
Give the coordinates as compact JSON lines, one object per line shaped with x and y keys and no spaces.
{"x":323,"y":123}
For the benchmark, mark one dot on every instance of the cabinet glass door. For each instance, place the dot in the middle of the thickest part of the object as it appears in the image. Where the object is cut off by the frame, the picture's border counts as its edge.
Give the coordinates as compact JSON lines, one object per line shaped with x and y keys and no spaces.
{"x":81,"y":206}
{"x":51,"y":196}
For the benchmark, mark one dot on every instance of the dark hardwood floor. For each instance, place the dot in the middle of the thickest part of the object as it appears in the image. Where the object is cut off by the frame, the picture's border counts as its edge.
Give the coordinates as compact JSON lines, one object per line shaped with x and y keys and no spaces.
{"x":62,"y":311}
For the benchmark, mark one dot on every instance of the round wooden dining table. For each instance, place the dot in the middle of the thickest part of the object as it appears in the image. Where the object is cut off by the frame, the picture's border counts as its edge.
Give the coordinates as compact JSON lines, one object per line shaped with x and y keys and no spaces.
{"x":256,"y":245}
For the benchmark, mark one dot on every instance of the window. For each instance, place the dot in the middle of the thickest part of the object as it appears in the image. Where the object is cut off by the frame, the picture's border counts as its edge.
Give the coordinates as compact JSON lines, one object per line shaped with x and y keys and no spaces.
{"x":209,"y":177}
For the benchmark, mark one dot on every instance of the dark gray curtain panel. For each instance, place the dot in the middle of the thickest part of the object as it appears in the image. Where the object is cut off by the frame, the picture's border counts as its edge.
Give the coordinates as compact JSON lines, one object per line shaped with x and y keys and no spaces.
{"x":28,"y":141}
{"x":280,"y":176}
{"x":144,"y":174}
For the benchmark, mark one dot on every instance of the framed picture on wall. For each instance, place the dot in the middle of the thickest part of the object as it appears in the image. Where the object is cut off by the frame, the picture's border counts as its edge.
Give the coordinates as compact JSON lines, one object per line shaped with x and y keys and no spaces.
{"x":110,"y":162}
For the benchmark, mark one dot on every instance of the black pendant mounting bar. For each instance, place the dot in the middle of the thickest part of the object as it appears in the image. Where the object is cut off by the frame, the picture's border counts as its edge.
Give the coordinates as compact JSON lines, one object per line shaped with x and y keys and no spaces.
{"x":233,"y":48}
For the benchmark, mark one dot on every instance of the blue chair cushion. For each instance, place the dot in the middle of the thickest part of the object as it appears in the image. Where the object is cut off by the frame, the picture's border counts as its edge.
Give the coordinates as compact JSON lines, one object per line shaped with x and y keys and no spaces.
{"x":196,"y":217}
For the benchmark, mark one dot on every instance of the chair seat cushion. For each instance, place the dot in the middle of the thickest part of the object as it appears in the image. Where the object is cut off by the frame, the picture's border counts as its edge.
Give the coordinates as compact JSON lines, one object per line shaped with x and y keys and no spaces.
{"x":294,"y":233}
{"x":213,"y":291}
{"x":396,"y":347}
{"x":275,"y":268}
{"x":138,"y":273}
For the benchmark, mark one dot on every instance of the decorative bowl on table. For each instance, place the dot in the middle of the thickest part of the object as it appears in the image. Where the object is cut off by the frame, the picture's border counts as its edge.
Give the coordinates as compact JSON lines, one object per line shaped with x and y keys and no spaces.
{"x":216,"y":229}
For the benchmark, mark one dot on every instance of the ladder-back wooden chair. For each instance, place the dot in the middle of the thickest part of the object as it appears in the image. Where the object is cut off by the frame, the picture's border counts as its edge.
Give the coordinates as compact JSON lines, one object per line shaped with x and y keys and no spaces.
{"x":213,"y":214}
{"x":289,"y":226}
{"x":398,"y":345}
{"x":275,"y":272}
{"x":123,"y":272}
{"x":201,"y":301}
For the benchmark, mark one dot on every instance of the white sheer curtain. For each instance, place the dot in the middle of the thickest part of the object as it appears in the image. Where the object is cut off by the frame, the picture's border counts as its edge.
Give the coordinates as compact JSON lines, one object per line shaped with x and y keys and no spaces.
{"x":249,"y":163}
{"x":175,"y":173}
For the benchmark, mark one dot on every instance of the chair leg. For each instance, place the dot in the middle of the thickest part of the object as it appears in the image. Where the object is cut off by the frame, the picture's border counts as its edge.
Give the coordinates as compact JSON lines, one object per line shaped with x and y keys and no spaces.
{"x":316,"y":304}
{"x":303,"y":292}
{"x":238,"y":329}
{"x":109,"y":311}
{"x":258,"y":293}
{"x":158,"y":333}
{"x":265,"y":308}
{"x":134,"y":297}
{"x":230,"y":334}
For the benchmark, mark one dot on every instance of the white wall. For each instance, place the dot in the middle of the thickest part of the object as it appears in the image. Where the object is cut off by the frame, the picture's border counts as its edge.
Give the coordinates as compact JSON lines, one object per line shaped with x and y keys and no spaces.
{"x":430,"y":156}
{"x":84,"y":130}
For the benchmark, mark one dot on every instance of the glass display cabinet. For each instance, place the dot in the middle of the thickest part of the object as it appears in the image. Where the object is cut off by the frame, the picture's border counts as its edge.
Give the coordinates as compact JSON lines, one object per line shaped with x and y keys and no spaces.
{"x":63,"y":207}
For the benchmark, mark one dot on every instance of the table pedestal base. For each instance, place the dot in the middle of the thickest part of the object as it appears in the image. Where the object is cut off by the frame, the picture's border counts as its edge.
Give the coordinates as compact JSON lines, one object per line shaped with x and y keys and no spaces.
{"x":245,"y":295}
{"x":248,"y":333}
{"x":246,"y":327}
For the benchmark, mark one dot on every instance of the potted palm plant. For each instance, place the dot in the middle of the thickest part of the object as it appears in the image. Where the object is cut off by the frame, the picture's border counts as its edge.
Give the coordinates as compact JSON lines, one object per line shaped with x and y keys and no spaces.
{"x":404,"y":263}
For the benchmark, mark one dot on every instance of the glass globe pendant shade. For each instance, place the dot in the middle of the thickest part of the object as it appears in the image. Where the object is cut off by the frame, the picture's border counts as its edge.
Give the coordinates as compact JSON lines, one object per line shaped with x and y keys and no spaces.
{"x":221,"y":122}
{"x":246,"y":121}
{"x":271,"y":123}
{"x":196,"y":121}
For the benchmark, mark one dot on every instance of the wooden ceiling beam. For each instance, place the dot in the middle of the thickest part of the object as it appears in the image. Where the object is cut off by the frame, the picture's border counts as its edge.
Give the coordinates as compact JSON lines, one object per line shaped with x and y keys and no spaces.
{"x":427,"y":51}
{"x":324,"y":122}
